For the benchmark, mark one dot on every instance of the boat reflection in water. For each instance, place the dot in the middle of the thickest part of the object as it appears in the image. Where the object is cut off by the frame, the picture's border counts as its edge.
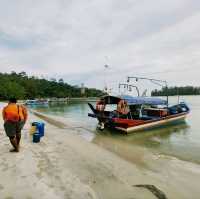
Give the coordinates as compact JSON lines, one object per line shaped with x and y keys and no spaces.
{"x":135,"y":147}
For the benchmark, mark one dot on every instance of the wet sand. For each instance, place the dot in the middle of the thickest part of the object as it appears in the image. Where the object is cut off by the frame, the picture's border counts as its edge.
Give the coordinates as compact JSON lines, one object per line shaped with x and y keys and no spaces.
{"x":64,"y":165}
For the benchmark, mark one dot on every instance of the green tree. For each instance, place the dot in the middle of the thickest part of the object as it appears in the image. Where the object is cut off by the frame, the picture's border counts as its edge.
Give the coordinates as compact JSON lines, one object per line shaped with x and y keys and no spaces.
{"x":14,"y":90}
{"x":22,"y":86}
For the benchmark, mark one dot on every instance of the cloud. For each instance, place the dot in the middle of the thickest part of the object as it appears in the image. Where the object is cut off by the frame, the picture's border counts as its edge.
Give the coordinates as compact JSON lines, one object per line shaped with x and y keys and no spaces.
{"x":74,"y":39}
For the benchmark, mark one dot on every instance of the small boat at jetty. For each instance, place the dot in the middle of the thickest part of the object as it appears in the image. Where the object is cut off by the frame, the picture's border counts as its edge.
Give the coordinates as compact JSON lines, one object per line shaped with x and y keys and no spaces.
{"x":130,"y":114}
{"x":37,"y":102}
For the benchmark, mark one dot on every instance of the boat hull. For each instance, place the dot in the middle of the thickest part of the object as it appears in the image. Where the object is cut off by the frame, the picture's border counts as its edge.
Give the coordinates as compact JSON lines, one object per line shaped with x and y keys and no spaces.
{"x":152,"y":124}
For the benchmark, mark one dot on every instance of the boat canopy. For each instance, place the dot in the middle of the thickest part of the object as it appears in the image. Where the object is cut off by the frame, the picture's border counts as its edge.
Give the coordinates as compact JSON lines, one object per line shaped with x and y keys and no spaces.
{"x":134,"y":100}
{"x":143,"y":100}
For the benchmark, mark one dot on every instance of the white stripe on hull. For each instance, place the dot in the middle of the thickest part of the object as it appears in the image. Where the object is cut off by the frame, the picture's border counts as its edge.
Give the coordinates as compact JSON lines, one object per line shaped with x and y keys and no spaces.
{"x":152,"y":124}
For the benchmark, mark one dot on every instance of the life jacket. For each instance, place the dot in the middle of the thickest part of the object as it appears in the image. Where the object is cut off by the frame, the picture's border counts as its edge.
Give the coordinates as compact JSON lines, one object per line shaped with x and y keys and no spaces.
{"x":14,"y":113}
{"x":100,"y":106}
{"x":122,"y":107}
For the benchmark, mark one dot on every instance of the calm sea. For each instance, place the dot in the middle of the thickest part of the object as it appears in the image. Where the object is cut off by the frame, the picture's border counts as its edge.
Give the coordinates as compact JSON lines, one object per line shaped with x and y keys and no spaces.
{"x":181,"y":141}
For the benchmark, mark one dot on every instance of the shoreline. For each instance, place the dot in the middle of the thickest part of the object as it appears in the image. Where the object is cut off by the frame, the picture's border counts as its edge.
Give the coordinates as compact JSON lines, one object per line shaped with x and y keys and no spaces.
{"x":64,"y":165}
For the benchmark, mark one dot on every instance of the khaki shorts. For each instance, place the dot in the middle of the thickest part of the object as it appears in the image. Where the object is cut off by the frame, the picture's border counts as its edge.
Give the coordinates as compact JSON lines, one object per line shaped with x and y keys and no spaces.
{"x":13,"y":128}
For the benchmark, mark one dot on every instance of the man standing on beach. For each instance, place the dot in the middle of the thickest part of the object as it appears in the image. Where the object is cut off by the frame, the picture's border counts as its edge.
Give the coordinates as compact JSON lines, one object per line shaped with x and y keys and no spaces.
{"x":14,"y":117}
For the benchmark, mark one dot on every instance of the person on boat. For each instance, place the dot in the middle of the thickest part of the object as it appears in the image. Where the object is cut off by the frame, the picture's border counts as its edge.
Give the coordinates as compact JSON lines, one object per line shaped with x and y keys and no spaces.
{"x":122,"y":108}
{"x":100,"y":106}
{"x":14,"y":116}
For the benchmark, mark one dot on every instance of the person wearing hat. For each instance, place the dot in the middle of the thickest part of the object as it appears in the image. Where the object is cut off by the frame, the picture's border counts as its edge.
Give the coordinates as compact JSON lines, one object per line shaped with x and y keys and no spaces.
{"x":14,"y":117}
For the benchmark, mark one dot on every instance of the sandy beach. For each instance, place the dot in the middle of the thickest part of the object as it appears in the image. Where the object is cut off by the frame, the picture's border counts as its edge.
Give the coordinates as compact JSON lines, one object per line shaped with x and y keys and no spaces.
{"x":66,"y":166}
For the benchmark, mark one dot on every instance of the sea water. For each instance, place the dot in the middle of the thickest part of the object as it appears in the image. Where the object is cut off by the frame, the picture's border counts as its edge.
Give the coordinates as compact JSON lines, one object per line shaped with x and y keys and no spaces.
{"x":181,"y":140}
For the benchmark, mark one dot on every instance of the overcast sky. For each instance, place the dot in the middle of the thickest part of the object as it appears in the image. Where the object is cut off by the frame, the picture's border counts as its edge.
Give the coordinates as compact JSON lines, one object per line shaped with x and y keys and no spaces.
{"x":74,"y":39}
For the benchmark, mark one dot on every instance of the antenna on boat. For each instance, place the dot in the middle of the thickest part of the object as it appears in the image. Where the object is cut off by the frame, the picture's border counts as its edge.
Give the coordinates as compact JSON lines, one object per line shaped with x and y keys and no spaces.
{"x":177,"y":93}
{"x":144,"y":94}
{"x":105,"y":78}
{"x":154,"y":81}
{"x":128,"y":87}
{"x":125,"y":86}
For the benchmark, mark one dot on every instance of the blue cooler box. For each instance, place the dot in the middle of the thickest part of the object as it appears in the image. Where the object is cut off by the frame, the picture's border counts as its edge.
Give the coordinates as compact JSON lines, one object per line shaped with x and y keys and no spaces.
{"x":40,"y":127}
{"x":36,"y":137}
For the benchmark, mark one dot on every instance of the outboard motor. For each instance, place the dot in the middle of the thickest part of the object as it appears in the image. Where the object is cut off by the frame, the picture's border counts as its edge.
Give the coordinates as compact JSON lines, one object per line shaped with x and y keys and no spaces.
{"x":184,"y":107}
{"x":179,"y":108}
{"x":101,"y":126}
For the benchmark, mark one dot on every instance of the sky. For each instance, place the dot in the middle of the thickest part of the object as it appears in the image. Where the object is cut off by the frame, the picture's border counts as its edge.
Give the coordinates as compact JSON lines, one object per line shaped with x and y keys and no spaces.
{"x":74,"y":39}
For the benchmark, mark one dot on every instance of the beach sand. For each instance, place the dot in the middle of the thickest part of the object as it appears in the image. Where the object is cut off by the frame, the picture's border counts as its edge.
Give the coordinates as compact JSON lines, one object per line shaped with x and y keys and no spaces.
{"x":66,"y":166}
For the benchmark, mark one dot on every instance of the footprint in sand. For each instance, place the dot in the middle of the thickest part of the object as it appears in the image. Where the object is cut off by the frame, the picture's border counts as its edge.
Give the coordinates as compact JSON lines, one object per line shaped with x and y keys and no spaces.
{"x":1,"y":187}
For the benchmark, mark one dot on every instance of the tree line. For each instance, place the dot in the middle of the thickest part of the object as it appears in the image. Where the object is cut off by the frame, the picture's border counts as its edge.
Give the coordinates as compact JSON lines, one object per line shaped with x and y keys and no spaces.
{"x":22,"y":86}
{"x":171,"y":91}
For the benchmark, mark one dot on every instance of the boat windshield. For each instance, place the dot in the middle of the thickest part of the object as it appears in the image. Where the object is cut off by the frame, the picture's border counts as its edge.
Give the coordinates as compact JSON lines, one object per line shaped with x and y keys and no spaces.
{"x":111,"y":107}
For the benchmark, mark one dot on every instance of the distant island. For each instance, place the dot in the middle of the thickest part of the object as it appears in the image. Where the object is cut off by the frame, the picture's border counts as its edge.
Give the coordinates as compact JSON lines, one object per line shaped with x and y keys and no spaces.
{"x":22,"y":86}
{"x":172,"y":91}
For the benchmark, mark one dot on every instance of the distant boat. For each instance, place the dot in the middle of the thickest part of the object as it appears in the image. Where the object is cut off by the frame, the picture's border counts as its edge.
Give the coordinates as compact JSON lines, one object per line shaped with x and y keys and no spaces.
{"x":37,"y":102}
